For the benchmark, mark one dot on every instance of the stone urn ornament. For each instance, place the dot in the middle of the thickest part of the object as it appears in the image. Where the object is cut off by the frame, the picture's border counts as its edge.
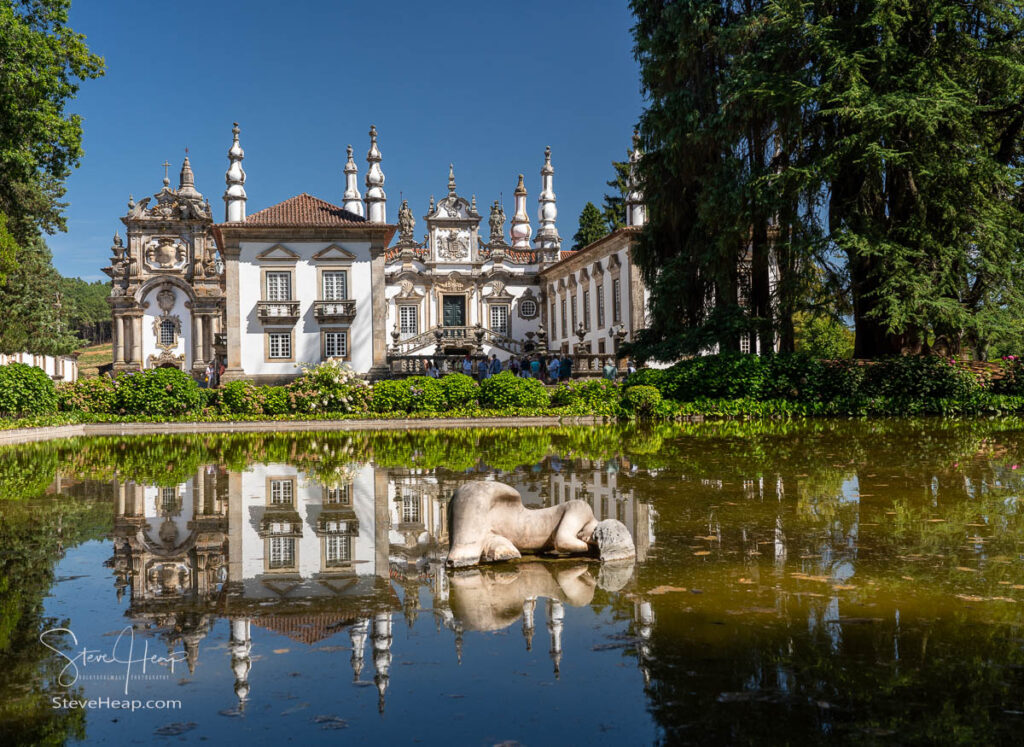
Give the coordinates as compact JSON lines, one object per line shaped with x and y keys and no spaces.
{"x":489,"y":524}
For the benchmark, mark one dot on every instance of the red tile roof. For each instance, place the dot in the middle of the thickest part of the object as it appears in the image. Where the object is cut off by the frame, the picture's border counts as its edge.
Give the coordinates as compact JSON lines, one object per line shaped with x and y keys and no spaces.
{"x":304,"y":210}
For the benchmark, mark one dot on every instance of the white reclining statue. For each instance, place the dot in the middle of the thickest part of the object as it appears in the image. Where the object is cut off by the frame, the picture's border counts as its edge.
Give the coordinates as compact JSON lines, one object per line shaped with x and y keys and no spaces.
{"x":488,"y":523}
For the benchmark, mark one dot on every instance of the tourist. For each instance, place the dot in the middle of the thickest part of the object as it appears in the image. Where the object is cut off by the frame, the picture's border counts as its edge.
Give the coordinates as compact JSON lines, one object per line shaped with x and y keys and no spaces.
{"x":535,"y":367}
{"x":553,"y":368}
{"x":431,"y":369}
{"x":513,"y":366}
{"x":467,"y":365}
{"x":565,"y":368}
{"x":609,"y":371}
{"x":630,"y":367}
{"x":208,"y":376}
{"x":495,"y":365}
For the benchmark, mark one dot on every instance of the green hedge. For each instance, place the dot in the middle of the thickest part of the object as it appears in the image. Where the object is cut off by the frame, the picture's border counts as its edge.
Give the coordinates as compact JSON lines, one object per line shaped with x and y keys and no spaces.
{"x":26,"y":390}
{"x":507,"y":390}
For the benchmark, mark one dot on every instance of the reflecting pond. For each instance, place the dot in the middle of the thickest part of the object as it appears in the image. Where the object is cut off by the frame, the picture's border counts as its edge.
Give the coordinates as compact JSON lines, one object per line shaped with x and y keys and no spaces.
{"x":855,"y":581}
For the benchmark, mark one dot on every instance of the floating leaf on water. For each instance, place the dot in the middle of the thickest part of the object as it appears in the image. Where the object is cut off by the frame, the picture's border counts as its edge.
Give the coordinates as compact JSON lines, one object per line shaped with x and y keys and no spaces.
{"x":703,"y":552}
{"x":746,"y":581}
{"x":936,"y":521}
{"x":966,"y":569}
{"x":280,"y":651}
{"x":844,"y":587}
{"x":970,"y":598}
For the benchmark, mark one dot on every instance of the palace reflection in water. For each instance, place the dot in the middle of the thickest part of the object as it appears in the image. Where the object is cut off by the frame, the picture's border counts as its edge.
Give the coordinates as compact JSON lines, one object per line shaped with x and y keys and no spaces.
{"x":273,"y":547}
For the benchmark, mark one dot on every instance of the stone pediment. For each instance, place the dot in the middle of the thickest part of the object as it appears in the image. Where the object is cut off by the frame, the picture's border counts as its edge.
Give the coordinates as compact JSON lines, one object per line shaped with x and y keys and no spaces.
{"x":453,"y":208}
{"x":334,"y":253}
{"x":278,"y":253}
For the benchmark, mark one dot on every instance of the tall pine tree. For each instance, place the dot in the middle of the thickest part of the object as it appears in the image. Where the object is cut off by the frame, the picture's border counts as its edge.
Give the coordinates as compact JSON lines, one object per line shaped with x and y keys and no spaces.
{"x":591,"y":227}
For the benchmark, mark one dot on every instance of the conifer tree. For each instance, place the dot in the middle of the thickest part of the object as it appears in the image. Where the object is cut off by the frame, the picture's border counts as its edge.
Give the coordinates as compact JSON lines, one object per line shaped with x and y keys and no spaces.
{"x":591,"y":227}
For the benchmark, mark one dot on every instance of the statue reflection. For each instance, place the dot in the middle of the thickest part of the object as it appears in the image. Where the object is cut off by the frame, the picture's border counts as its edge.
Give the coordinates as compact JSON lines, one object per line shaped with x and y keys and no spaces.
{"x":308,"y":556}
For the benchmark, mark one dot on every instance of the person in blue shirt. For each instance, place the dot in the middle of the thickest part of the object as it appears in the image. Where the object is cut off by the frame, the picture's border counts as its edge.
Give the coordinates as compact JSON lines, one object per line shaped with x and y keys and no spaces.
{"x":565,"y":368}
{"x":495,"y":365}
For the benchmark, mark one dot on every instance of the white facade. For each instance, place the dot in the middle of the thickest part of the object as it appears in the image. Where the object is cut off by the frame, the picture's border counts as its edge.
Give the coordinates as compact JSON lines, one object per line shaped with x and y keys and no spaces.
{"x":305,"y":280}
{"x":58,"y":368}
{"x":305,"y":265}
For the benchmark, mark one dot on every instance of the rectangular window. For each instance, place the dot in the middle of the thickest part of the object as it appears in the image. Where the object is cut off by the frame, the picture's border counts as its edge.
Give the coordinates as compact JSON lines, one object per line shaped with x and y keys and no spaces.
{"x":410,"y":509}
{"x":586,"y":310}
{"x":408,"y":321}
{"x":335,"y":285}
{"x":282,"y":552}
{"x":280,"y":344}
{"x":565,"y":332}
{"x":600,"y":306}
{"x":339,"y":549}
{"x":167,"y":333}
{"x":335,"y":344}
{"x":616,"y":300}
{"x":279,"y":286}
{"x":499,"y":318}
{"x":745,"y":344}
{"x":281,"y":492}
{"x":340,"y":495}
{"x":554,"y":318}
{"x":169,"y":499}
{"x":572,"y":302}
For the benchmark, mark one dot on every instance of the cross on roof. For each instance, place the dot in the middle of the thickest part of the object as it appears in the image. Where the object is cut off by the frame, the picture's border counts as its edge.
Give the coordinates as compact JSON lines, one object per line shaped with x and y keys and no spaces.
{"x":166,"y":165}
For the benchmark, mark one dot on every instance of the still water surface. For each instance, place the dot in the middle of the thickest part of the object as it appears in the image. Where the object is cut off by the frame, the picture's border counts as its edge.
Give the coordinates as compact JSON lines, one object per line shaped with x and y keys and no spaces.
{"x":831,"y":581}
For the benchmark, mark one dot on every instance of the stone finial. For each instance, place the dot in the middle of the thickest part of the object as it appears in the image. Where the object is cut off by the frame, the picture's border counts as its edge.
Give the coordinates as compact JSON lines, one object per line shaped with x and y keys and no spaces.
{"x":131,"y":201}
{"x":451,"y":180}
{"x":187,"y":181}
{"x":636,"y":211}
{"x":234,"y":195}
{"x":520,"y":229}
{"x":352,"y":200}
{"x":117,"y":239}
{"x":376,"y":199}
{"x":547,"y":240}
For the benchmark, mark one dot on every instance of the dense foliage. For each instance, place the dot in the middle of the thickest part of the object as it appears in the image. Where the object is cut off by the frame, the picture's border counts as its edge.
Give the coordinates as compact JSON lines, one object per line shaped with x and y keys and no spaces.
{"x":43,"y":62}
{"x":871,"y":149}
{"x":26,"y":390}
{"x":507,"y":390}
{"x":591,"y":227}
{"x":157,"y":391}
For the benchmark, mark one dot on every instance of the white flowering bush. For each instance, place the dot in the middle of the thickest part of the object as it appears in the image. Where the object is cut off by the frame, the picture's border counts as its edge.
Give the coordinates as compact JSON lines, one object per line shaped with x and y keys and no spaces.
{"x":329,"y":387}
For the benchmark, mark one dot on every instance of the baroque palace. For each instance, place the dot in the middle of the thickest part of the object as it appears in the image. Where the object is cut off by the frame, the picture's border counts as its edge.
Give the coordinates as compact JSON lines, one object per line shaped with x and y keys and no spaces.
{"x":307,"y":280}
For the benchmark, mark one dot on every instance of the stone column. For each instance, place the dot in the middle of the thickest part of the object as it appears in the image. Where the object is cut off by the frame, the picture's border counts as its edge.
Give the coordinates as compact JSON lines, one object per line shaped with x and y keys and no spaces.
{"x":119,"y":340}
{"x":234,"y":321}
{"x":198,"y":346}
{"x":137,"y":340}
{"x":379,"y":312}
{"x":381,"y":523}
{"x":208,"y":338}
{"x":235,"y":526}
{"x":637,"y":310}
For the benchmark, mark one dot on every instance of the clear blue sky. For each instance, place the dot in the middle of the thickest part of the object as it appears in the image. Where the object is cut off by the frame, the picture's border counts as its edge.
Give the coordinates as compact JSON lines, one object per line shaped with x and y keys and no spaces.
{"x":485,"y":85}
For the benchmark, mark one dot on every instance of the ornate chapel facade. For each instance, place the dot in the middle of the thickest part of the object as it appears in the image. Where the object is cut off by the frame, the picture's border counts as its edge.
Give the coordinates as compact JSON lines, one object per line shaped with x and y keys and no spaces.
{"x":306,"y":280}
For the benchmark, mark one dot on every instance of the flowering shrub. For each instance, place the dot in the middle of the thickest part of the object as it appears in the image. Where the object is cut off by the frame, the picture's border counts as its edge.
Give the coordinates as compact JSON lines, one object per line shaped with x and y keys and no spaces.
{"x":508,"y":390}
{"x":157,"y":391}
{"x":242,"y":398}
{"x":26,"y":390}
{"x":460,"y":390}
{"x":86,"y":395}
{"x":331,"y":386}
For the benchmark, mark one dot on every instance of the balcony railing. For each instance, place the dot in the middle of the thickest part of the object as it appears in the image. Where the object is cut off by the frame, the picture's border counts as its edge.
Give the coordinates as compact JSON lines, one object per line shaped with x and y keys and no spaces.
{"x":455,"y":337}
{"x":334,"y":311}
{"x":277,"y":312}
